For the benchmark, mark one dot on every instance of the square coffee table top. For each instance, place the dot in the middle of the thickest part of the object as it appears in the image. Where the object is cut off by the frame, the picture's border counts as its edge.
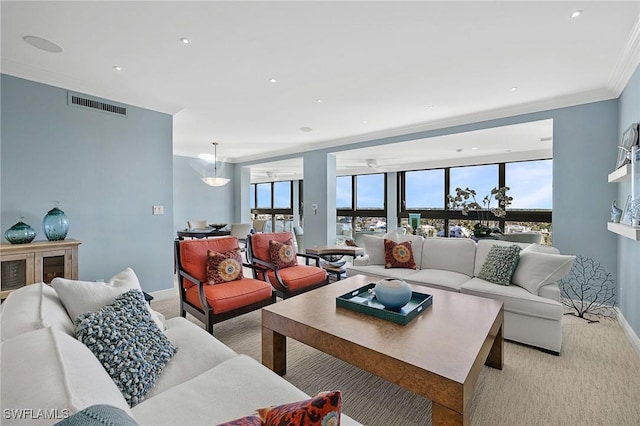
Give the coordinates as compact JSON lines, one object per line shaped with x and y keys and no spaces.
{"x":446,"y":339}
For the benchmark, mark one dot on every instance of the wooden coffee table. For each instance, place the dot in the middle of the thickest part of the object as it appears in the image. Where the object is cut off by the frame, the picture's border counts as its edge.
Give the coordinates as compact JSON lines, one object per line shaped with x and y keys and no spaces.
{"x":438,"y":355}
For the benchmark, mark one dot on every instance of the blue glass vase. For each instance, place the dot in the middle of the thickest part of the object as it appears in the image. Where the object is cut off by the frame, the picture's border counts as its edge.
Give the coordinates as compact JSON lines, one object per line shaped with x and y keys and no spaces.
{"x":20,"y":233}
{"x":55,"y":224}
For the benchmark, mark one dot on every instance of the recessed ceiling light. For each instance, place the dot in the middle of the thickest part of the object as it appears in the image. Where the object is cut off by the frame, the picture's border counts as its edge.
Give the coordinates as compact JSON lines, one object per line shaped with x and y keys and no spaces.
{"x":575,"y":14}
{"x":319,"y":100}
{"x":364,"y":122}
{"x":547,"y":139}
{"x":430,"y":106}
{"x":305,"y":129}
{"x":185,"y":40}
{"x":474,"y":148}
{"x":514,"y":88}
{"x":508,"y":150}
{"x":272,"y":80}
{"x":42,"y":44}
{"x":459,"y":150}
{"x":117,"y":68}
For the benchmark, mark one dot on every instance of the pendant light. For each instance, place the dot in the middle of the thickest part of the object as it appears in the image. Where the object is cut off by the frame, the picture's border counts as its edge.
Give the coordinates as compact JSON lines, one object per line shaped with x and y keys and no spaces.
{"x":215,"y":180}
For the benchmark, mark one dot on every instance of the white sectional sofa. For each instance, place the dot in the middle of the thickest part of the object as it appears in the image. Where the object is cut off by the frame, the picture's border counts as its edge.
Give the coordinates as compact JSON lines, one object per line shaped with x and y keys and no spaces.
{"x":532,"y":307}
{"x":47,"y":374}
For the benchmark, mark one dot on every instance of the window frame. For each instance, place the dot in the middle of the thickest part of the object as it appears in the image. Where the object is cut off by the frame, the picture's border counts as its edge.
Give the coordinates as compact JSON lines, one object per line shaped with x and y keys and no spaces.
{"x":446,"y":214}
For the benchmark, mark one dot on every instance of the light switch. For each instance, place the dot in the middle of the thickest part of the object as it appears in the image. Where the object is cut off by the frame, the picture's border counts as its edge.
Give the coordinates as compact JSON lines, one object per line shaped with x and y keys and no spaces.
{"x":158,"y":210}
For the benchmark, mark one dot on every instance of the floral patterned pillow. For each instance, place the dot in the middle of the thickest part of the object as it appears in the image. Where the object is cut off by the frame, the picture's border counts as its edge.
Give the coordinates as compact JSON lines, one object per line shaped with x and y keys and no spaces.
{"x":224,"y":267}
{"x":282,"y":255}
{"x":398,"y":255}
{"x":321,"y":410}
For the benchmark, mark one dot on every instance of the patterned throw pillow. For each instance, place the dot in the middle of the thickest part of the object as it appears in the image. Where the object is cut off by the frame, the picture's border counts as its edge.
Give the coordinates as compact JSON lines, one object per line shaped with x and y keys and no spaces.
{"x":127,"y":343}
{"x":224,"y":267}
{"x":398,"y":255}
{"x":500,"y":264}
{"x":321,"y":410}
{"x":282,"y":255}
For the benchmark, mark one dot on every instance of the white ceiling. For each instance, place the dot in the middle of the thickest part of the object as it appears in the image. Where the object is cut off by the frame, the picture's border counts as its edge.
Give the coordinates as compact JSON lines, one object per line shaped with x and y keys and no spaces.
{"x":400,"y":66}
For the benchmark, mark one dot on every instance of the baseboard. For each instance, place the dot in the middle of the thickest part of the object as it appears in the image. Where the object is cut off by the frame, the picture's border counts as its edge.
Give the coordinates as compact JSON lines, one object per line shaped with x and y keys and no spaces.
{"x":631,"y":335}
{"x":164,"y":294}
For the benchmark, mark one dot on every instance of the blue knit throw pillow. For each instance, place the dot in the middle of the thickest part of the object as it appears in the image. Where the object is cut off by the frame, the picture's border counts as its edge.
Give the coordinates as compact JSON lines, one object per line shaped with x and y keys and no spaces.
{"x":128,"y":344}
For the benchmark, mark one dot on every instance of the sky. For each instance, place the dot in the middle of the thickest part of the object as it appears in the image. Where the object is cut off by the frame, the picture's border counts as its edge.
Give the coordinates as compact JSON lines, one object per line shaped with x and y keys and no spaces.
{"x":530,"y":184}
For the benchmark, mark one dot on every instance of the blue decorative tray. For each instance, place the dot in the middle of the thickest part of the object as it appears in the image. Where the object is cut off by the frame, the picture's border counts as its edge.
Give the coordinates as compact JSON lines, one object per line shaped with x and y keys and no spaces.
{"x":361,"y":300}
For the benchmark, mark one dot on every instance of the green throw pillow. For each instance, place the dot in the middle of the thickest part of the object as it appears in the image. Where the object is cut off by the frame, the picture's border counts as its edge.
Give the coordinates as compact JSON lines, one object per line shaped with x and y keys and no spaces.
{"x":128,"y":344}
{"x":500,"y":264}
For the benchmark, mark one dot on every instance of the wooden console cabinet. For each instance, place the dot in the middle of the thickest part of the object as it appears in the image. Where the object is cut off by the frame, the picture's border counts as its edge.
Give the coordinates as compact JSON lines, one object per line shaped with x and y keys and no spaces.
{"x":38,"y":261}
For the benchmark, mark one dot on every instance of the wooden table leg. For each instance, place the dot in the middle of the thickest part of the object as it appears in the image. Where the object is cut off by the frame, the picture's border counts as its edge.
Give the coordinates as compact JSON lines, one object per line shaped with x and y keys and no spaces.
{"x":274,"y":351}
{"x":495,"y":359}
{"x":443,"y":416}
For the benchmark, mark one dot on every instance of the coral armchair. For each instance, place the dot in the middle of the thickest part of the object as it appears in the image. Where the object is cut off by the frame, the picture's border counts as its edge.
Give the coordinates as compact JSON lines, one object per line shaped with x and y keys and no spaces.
{"x":288,"y":280}
{"x":231,"y":295}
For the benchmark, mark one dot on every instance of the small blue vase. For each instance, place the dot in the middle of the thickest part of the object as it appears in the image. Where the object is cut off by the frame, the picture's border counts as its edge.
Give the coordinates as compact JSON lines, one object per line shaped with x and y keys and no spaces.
{"x":55,"y":224}
{"x":393,"y":293}
{"x":20,"y":233}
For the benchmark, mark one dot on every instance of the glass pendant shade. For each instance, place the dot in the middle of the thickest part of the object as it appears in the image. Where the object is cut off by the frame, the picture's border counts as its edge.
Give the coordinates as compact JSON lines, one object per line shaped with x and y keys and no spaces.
{"x":215,"y":180}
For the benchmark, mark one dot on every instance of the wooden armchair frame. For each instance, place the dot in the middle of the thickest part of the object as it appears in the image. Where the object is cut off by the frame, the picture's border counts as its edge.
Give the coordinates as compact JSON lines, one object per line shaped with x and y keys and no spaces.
{"x":260,"y":268}
{"x":206,"y":314}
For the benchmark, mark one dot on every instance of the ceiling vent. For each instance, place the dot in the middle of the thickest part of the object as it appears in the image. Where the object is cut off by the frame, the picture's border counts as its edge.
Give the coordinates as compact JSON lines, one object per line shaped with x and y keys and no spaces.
{"x":96,"y":104}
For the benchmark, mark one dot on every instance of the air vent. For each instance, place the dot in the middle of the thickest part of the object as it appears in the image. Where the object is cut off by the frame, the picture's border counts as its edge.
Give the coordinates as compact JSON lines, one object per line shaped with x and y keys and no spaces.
{"x":96,"y":104}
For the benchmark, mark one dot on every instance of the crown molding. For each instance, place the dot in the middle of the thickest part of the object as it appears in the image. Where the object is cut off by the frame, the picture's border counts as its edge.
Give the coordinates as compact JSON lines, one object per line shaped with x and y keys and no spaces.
{"x":411,"y":132}
{"x":628,"y":61}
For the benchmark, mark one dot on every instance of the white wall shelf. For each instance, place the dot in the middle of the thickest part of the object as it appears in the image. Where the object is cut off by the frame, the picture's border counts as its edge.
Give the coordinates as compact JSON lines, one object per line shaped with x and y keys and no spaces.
{"x":624,"y":230}
{"x":620,"y":175}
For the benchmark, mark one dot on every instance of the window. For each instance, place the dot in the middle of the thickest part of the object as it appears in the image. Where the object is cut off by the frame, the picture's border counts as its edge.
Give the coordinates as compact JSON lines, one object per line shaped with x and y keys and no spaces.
{"x":274,"y":203}
{"x":424,"y":189}
{"x":282,"y":195}
{"x":264,"y":195}
{"x":363,"y":210}
{"x":480,"y":178}
{"x":370,"y":192}
{"x":344,"y":192}
{"x":531,"y":184}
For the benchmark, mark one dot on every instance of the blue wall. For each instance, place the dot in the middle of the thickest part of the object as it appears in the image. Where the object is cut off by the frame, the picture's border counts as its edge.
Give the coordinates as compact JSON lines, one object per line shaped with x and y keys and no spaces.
{"x":629,"y":250}
{"x":106,"y":171}
{"x":581,"y":195}
{"x":195,"y":200}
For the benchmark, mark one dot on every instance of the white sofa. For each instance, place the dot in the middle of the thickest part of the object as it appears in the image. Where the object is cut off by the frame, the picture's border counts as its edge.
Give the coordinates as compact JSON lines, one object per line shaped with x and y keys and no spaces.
{"x":531,"y":316}
{"x":47,"y":374}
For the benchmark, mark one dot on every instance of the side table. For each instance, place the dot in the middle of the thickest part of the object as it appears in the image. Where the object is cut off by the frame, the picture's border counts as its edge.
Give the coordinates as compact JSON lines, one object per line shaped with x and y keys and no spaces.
{"x":333,"y":253}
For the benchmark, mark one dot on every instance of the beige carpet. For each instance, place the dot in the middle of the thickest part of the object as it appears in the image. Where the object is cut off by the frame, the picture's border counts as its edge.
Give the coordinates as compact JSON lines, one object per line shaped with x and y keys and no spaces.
{"x":595,"y":380}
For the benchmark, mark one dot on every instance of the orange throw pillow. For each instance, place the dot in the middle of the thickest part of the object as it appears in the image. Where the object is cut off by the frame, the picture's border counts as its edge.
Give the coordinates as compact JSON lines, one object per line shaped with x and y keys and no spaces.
{"x":321,"y":410}
{"x":224,"y":267}
{"x":282,"y":255}
{"x":398,"y":255}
